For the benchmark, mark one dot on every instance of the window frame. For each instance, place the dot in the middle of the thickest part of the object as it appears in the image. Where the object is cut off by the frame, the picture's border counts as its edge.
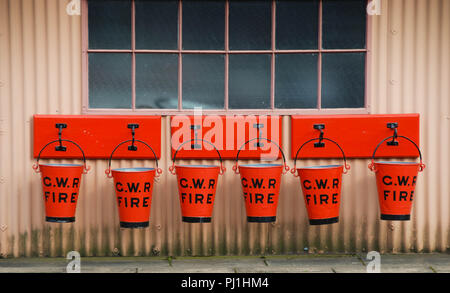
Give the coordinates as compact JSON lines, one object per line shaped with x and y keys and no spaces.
{"x":226,"y":52}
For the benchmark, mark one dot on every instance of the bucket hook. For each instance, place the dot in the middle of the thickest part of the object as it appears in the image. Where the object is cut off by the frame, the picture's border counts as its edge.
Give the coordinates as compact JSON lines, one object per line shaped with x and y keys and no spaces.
{"x":60,"y":147}
{"x":320,"y":143}
{"x":132,"y":147}
{"x":394,"y":126}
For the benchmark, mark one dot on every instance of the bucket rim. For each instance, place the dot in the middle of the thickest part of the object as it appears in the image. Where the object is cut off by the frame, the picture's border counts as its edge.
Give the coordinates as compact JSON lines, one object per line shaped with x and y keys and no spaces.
{"x":61,"y":165}
{"x":266,"y":165}
{"x":320,"y":167}
{"x":397,"y":163}
{"x":197,"y":166}
{"x":135,"y":169}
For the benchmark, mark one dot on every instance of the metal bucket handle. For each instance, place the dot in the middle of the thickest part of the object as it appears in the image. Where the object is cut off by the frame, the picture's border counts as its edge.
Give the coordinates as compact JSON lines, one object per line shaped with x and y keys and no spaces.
{"x":346,"y":166}
{"x":236,"y":166}
{"x":108,"y":171}
{"x":372,"y":163}
{"x":172,"y":168}
{"x":85,"y":167}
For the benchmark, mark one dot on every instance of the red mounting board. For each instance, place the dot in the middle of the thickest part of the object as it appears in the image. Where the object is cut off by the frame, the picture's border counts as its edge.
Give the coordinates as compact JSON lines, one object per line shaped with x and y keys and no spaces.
{"x":97,"y":135}
{"x":227,"y":134}
{"x":358,"y":135}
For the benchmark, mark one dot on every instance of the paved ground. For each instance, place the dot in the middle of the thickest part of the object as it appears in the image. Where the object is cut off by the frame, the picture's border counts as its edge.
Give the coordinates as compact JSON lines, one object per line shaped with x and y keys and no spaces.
{"x":400,"y":263}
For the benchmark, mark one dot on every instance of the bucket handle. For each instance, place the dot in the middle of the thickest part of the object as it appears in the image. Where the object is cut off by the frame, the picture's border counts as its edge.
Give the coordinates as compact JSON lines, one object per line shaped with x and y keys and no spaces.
{"x":108,"y":171}
{"x":172,"y":168}
{"x":372,"y":163}
{"x":285,"y":166}
{"x":346,"y":166}
{"x":85,"y":167}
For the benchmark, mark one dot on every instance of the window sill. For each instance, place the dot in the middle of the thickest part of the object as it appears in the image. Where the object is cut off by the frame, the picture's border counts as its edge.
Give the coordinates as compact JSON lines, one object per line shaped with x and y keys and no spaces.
{"x":171,"y":112}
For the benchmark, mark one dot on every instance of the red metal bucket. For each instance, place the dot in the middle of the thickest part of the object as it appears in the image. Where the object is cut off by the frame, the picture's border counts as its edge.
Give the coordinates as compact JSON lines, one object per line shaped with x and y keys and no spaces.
{"x":197,"y":188}
{"x":321,"y":187}
{"x":61,"y":185}
{"x":133,"y":188}
{"x":396,"y":182}
{"x":261,"y":187}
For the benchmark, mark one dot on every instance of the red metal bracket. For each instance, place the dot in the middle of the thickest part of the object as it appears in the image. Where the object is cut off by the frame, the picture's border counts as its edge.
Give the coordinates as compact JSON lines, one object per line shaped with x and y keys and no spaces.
{"x":358,"y":135}
{"x":228,"y":134}
{"x":97,"y":135}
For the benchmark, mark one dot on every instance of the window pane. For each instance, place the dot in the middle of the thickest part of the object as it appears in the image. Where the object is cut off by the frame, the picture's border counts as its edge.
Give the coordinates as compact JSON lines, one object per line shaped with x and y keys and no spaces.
{"x":250,"y":25}
{"x":109,"y":80}
{"x":296,"y":81}
{"x":297,"y":24}
{"x":156,"y":24}
{"x":343,"y":80}
{"x":203,"y":25}
{"x":109,"y":24}
{"x":344,"y":24}
{"x":249,"y":81}
{"x":157,"y":81}
{"x":203,"y":81}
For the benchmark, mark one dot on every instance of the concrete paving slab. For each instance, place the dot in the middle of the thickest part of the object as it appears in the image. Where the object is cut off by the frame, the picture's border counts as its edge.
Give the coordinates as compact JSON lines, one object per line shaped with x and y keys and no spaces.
{"x":401,"y":263}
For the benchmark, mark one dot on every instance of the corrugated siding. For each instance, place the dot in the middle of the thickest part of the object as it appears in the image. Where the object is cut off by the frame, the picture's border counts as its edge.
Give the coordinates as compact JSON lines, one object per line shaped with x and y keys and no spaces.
{"x":40,"y":73}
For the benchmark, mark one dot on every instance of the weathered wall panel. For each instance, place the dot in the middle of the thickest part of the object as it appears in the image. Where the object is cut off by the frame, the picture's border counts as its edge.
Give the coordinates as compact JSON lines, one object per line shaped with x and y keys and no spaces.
{"x":40,"y":73}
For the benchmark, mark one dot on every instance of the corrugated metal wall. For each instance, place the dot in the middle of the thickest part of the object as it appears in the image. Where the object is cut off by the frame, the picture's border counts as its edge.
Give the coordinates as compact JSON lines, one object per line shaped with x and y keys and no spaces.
{"x":40,"y":73}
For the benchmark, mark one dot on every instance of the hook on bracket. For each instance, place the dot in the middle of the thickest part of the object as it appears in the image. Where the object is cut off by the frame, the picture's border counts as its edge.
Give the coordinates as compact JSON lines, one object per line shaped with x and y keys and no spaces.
{"x":319,"y":127}
{"x":394,"y":126}
{"x":60,"y":147}
{"x":258,"y":126}
{"x":132,"y":126}
{"x":195,"y":145}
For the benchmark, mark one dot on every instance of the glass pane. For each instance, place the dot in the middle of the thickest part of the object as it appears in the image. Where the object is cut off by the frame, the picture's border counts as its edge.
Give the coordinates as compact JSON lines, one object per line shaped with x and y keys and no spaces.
{"x":109,"y":80}
{"x":156,"y":24}
{"x":203,"y":81}
{"x":157,"y":81}
{"x":109,"y":24}
{"x":343,"y":80}
{"x":296,"y":81}
{"x":249,"y":81}
{"x":203,"y":25}
{"x":344,"y":24}
{"x":250,"y":25}
{"x":297,"y":24}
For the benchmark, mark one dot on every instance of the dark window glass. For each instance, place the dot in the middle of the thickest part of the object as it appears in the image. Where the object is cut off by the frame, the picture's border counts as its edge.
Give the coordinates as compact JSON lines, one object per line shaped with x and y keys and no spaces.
{"x":250,"y":25}
{"x":157,"y":81}
{"x":156,"y":24}
{"x":203,"y":25}
{"x":249,"y":83}
{"x":344,"y":24}
{"x":203,"y":81}
{"x":109,"y":24}
{"x":343,"y":80}
{"x":297,"y":24}
{"x":109,"y":80}
{"x":296,"y":81}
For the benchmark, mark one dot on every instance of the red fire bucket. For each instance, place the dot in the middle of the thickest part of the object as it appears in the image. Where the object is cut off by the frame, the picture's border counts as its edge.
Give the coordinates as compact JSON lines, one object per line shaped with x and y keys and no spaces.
{"x":197,"y":187}
{"x":60,"y":184}
{"x":321,"y":187}
{"x":261,"y":186}
{"x":134,"y":188}
{"x":396,"y":182}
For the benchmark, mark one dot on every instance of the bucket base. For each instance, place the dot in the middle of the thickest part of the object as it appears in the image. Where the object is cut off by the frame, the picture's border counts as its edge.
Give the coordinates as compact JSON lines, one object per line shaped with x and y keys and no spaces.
{"x":395,"y":217}
{"x":197,"y":219}
{"x":133,"y":224}
{"x":261,"y":219}
{"x":60,"y":220}
{"x":323,"y":221}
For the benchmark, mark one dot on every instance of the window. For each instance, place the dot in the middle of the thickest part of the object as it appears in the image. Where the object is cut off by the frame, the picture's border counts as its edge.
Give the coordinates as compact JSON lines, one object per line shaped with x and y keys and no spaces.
{"x":234,"y":55}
